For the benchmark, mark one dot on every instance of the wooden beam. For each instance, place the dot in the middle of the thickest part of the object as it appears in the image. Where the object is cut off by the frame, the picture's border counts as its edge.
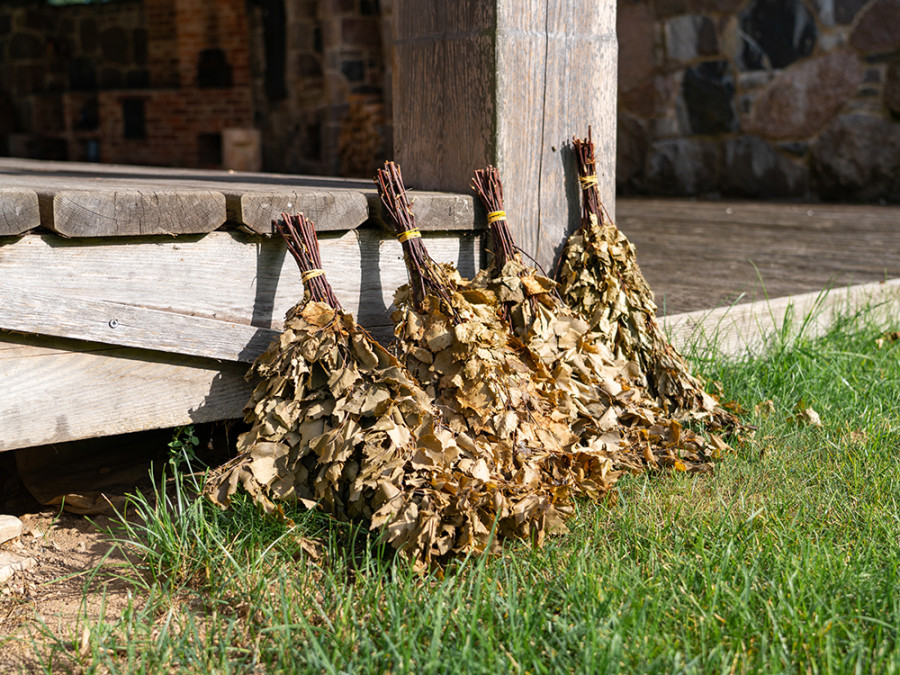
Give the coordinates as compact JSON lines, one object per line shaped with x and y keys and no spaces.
{"x":19,"y":211}
{"x":61,"y":390}
{"x":507,"y":82}
{"x":99,"y":200}
{"x":130,"y":212}
{"x":747,"y":329}
{"x":116,"y":323}
{"x":222,"y":276}
{"x":435,"y":211}
{"x":329,"y":210}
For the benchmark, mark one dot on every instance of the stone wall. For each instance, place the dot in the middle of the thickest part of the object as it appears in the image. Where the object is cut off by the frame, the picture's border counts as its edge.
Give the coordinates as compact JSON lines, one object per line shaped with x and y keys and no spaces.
{"x":794,"y":99}
{"x":322,"y":85}
{"x":760,"y":98}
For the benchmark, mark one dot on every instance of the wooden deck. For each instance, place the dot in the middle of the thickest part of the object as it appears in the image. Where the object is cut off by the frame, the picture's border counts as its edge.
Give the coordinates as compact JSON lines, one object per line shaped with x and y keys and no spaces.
{"x":701,"y":255}
{"x":134,"y":297}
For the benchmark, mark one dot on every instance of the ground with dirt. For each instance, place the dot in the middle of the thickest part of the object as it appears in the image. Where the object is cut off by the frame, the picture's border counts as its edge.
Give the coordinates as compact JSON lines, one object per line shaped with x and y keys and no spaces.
{"x":67,"y":551}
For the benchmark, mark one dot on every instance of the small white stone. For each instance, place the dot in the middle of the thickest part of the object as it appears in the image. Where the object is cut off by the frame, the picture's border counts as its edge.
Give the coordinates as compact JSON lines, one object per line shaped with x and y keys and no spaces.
{"x":10,"y":564}
{"x":10,"y":528}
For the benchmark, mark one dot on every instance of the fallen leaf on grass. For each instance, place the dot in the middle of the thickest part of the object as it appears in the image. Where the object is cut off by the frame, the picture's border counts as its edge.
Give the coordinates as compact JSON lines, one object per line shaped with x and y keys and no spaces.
{"x":808,"y":416}
{"x":765,"y":408}
{"x":887,"y":338}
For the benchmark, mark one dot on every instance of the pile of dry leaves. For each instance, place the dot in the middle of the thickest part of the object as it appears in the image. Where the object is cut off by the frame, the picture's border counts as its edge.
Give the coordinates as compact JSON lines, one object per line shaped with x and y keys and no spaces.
{"x":601,"y":280}
{"x":498,"y":404}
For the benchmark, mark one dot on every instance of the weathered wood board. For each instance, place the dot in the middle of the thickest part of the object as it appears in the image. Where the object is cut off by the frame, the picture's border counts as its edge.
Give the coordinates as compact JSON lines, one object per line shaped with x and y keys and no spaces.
{"x":221,"y":295}
{"x":117,"y":212}
{"x":226,"y":276}
{"x":108,"y":200}
{"x":19,"y":211}
{"x":701,"y":255}
{"x":63,"y":390}
{"x":117,"y":323}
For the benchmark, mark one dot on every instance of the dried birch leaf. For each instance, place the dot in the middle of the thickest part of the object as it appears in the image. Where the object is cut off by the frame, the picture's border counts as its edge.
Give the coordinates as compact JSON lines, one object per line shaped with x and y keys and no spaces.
{"x":596,"y":392}
{"x":600,"y":278}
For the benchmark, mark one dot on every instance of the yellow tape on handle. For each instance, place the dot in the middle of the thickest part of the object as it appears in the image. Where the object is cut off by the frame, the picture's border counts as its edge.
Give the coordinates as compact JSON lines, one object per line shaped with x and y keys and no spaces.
{"x":312,"y":274}
{"x":409,"y":234}
{"x":494,"y":216}
{"x":587,"y":181}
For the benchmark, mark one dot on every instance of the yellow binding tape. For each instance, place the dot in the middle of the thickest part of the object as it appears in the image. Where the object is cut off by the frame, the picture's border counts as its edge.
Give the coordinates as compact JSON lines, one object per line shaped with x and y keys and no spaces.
{"x":587,"y":181}
{"x":494,"y":216}
{"x":409,"y":234}
{"x":312,"y":274}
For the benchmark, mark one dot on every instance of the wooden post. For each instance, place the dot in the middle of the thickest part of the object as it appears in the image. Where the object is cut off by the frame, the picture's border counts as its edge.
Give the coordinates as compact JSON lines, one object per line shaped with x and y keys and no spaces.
{"x":507,"y":82}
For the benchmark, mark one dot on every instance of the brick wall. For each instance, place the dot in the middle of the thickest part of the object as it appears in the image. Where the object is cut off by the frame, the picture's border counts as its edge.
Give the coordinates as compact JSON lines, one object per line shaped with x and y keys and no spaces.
{"x":124,"y":82}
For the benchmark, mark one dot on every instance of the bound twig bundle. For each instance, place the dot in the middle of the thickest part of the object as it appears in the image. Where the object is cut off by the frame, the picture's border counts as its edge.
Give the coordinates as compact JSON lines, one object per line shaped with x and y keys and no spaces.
{"x":339,"y":424}
{"x":599,"y":277}
{"x":605,"y":403}
{"x":484,"y":380}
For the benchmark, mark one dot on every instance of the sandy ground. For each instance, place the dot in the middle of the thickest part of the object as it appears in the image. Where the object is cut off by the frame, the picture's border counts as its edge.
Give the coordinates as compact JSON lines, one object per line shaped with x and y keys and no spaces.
{"x":67,"y":551}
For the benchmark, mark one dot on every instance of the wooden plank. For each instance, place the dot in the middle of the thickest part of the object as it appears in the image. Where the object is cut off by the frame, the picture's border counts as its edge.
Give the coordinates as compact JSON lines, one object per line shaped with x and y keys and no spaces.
{"x":460,"y":91}
{"x":776,"y":215}
{"x":334,"y":210}
{"x":126,"y":325}
{"x":251,"y":199}
{"x":60,"y":390}
{"x":224,"y":276}
{"x":763,"y":254}
{"x":130,"y":212}
{"x":18,"y":211}
{"x":436,"y":211}
{"x":743,"y":329}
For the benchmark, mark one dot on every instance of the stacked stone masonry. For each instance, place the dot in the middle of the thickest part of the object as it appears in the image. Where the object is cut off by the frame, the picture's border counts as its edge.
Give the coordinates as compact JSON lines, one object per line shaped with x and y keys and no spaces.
{"x":794,"y":99}
{"x":760,"y":98}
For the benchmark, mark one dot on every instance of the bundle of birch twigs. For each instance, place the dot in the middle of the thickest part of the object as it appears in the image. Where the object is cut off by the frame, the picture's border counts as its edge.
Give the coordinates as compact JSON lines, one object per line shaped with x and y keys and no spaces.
{"x":503,"y":396}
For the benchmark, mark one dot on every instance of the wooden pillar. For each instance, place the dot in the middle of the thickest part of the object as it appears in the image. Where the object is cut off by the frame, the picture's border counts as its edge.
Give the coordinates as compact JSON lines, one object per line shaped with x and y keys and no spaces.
{"x":507,"y":82}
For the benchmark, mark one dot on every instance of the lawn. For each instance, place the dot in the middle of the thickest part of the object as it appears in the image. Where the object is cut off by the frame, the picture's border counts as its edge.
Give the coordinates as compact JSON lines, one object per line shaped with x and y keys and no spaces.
{"x":786,"y":558}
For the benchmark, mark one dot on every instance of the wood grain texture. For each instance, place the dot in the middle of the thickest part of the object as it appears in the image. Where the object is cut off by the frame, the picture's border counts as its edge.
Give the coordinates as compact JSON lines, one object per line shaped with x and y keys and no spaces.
{"x":226,"y":277}
{"x":508,"y":82}
{"x":443,"y":91}
{"x":573,"y":45}
{"x":701,"y":255}
{"x":61,"y":390}
{"x":130,"y":212}
{"x":743,"y":329}
{"x":436,"y":211}
{"x":126,"y":197}
{"x":130,"y":326}
{"x":329,"y":210}
{"x":19,"y":211}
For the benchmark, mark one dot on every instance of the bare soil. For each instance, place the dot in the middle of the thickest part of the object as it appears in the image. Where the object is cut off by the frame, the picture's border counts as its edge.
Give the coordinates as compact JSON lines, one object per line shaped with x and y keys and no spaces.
{"x":71,"y":580}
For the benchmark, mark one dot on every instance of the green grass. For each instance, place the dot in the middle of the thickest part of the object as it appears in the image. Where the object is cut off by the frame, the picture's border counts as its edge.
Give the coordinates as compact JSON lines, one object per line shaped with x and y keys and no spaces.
{"x":787,"y":559}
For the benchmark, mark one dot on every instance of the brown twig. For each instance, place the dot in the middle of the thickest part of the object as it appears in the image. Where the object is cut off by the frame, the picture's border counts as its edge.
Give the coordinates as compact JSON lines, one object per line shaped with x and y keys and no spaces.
{"x":591,"y":204}
{"x":425,"y":275}
{"x":489,"y":189}
{"x":300,"y":236}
